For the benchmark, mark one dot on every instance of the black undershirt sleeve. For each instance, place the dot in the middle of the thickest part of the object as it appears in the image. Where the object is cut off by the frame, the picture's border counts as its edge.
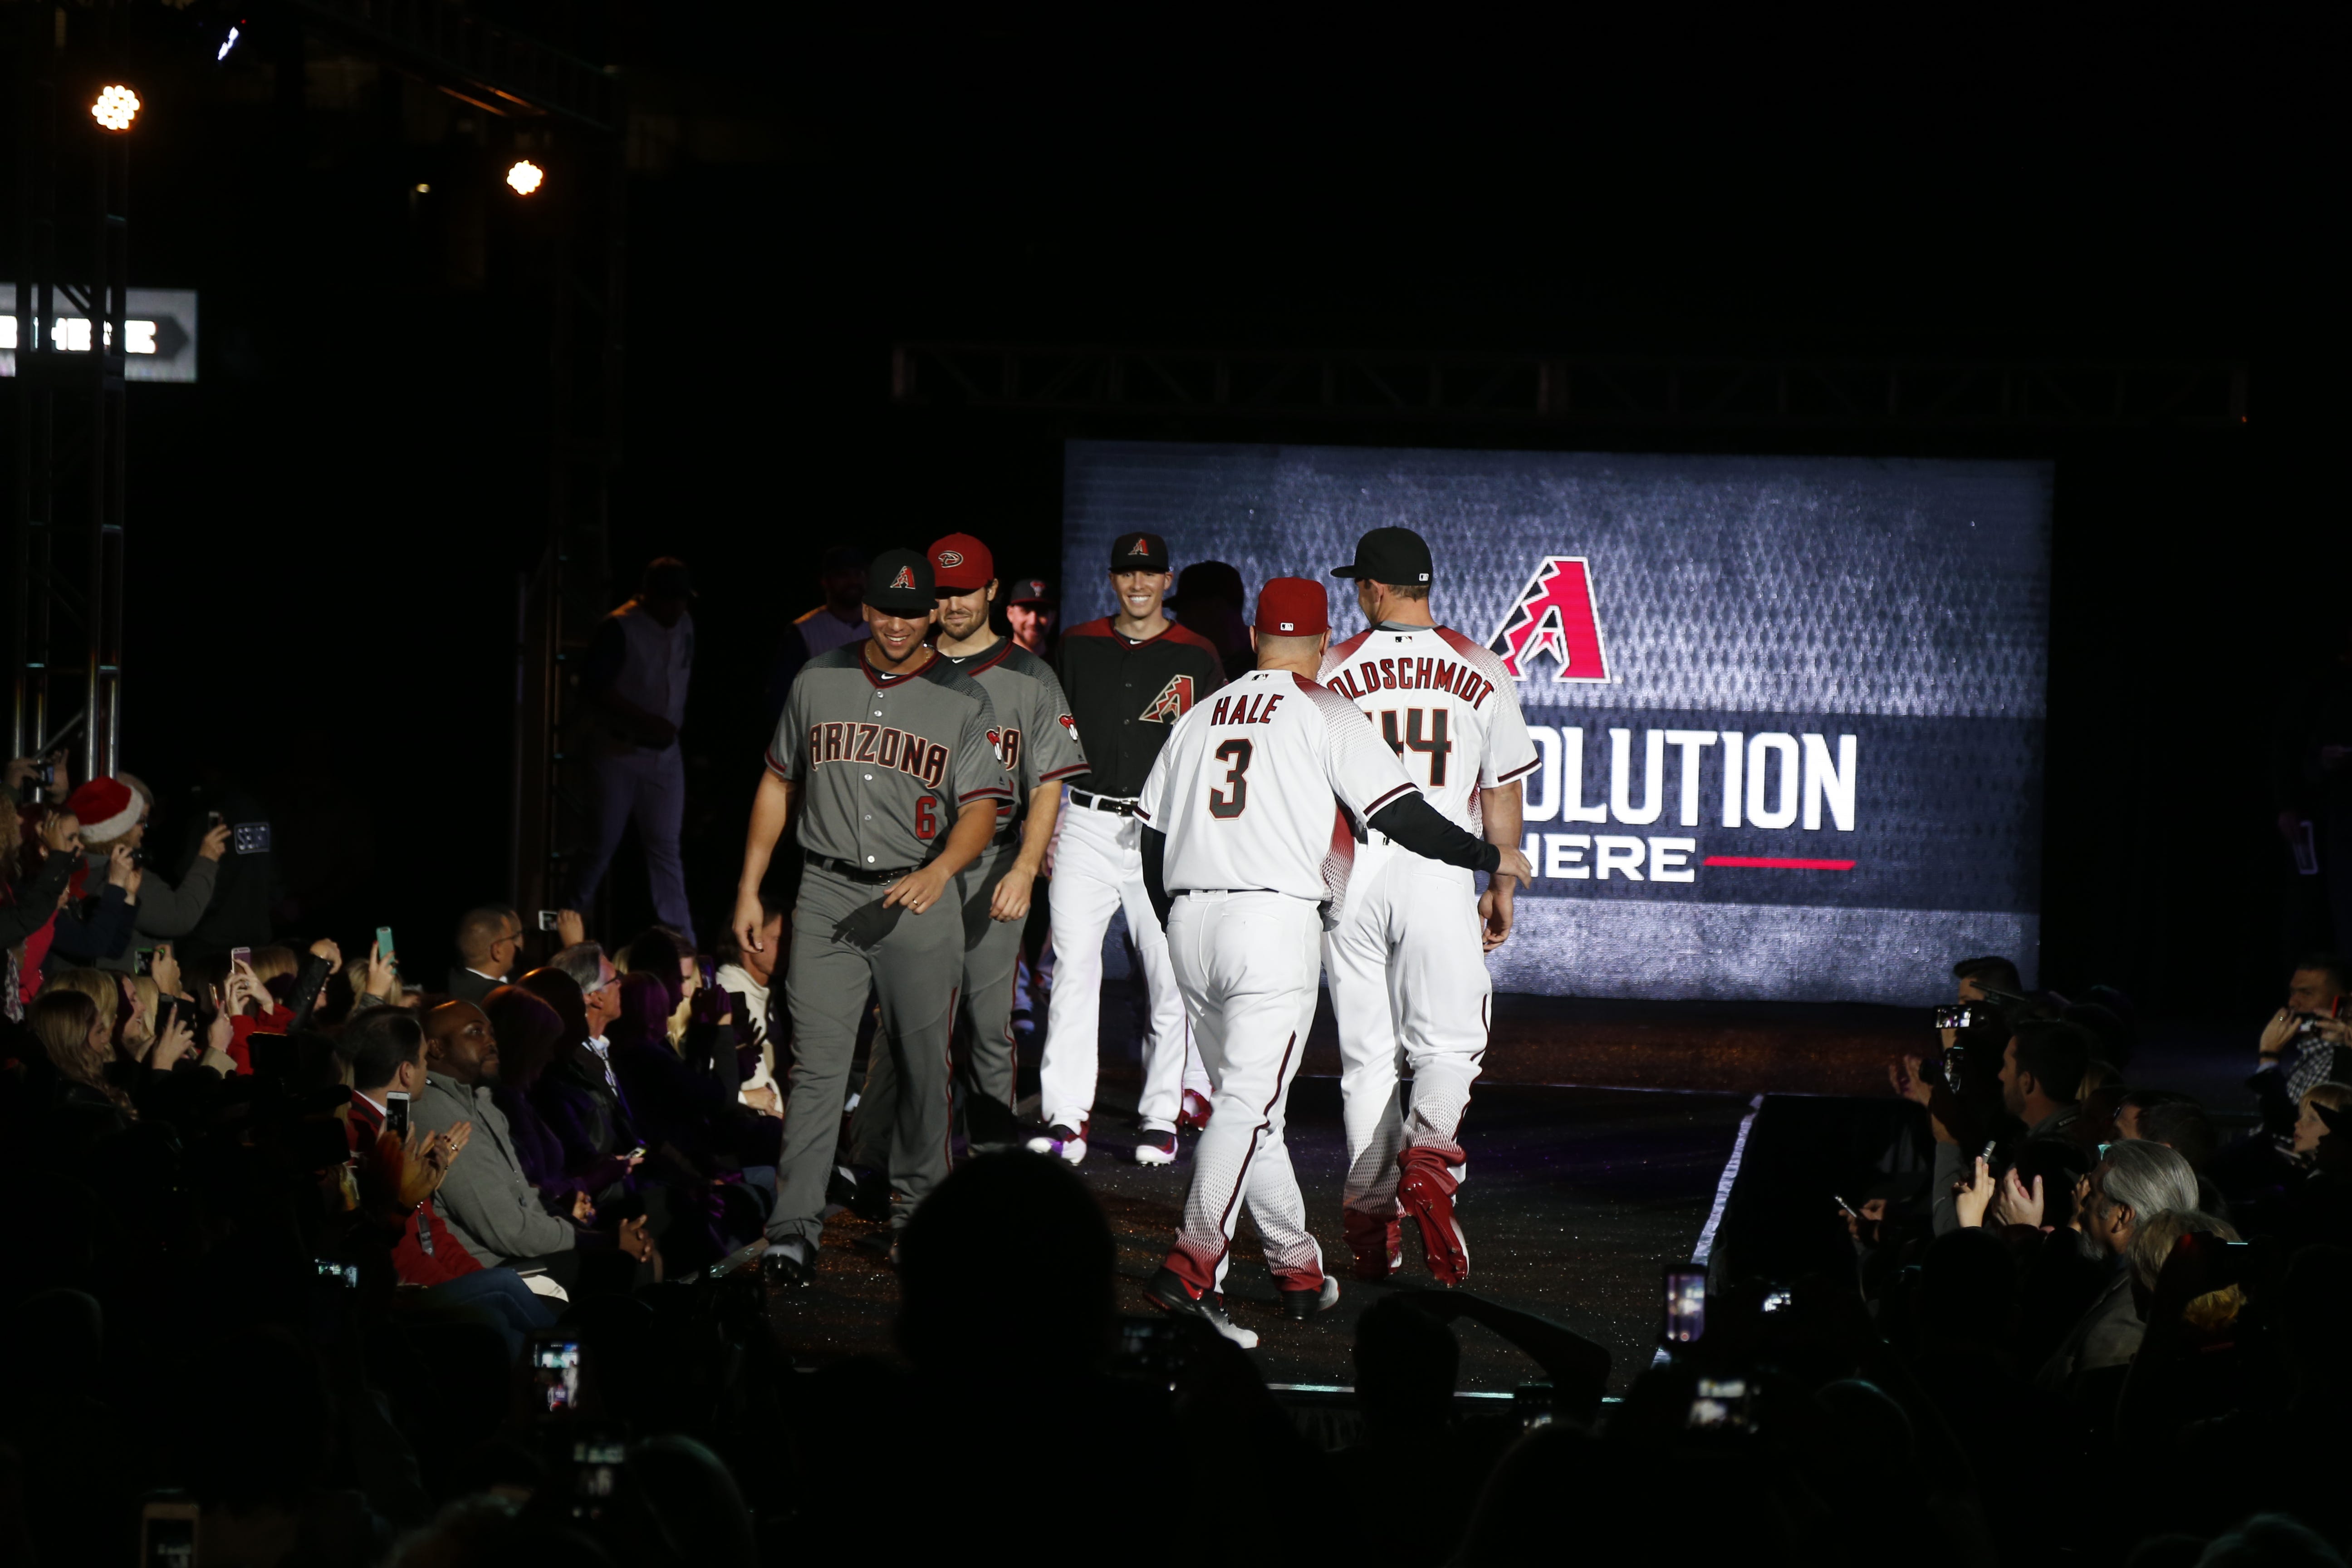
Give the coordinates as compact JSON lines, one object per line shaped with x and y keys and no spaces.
{"x":1155,"y":876}
{"x":1415,"y":823}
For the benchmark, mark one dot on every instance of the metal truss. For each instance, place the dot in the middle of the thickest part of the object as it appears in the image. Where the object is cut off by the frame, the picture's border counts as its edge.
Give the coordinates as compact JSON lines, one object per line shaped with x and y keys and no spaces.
{"x":1695,"y":392}
{"x":492,"y":67}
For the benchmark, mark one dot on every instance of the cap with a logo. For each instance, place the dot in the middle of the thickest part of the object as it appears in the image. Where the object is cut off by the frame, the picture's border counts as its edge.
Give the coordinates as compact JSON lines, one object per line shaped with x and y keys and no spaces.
{"x":1293,"y":607}
{"x":899,"y":581}
{"x":1031,"y":591}
{"x":667,"y":578}
{"x":1139,"y":552}
{"x":960,"y":563}
{"x":1397,"y":556}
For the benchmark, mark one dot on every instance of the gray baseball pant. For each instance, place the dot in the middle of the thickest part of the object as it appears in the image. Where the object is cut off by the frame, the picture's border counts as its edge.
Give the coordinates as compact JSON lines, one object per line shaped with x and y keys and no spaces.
{"x":846,"y":944}
{"x":991,"y":955}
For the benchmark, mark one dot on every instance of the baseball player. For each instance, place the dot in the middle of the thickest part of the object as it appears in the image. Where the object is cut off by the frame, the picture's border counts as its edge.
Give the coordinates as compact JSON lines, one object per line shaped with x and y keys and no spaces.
{"x":1040,"y":747}
{"x":1249,"y":816}
{"x":1128,"y":677}
{"x":1404,"y":959}
{"x":885,"y":764}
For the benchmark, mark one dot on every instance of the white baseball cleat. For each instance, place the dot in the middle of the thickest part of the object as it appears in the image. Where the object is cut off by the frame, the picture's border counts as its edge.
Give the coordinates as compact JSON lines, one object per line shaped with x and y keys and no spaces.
{"x":1154,"y":1147}
{"x":1064,"y":1143}
{"x":1173,"y":1296}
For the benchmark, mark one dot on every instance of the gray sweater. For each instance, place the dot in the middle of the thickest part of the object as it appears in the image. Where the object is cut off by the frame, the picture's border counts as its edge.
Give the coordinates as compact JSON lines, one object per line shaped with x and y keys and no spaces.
{"x":485,"y":1201}
{"x":164,"y":911}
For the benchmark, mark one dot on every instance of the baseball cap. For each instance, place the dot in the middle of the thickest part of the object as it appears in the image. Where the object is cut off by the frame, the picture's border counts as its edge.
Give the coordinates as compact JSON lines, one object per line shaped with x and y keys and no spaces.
{"x":960,"y":563}
{"x":1293,"y":607}
{"x":1139,"y":552}
{"x":1031,"y":591}
{"x":667,"y":578}
{"x":899,"y":582}
{"x":1390,"y":555}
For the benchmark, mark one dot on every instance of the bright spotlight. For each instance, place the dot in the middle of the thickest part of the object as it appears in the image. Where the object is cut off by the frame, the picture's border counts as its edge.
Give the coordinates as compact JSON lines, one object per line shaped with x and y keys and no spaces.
{"x":525,"y":177}
{"x":226,"y":45}
{"x":116,"y":108}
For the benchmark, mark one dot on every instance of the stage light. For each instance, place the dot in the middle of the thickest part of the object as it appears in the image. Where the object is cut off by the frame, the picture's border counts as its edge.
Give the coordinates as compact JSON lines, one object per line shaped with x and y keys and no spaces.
{"x":423,"y":189}
{"x":227,"y":44}
{"x":116,"y":108}
{"x":525,"y":177}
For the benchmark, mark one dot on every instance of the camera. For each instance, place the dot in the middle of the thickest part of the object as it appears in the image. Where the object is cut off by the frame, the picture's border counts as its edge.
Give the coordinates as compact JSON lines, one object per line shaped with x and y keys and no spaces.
{"x":1719,"y":1403}
{"x":1962,"y":1016}
{"x":547,"y":919}
{"x":1686,"y":1303}
{"x":346,"y":1274}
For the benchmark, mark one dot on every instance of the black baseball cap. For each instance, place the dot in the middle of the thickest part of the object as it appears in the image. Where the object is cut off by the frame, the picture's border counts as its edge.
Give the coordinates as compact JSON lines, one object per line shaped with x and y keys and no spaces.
{"x":1139,"y":552}
{"x":667,"y":578}
{"x":899,"y":581}
{"x":1394,"y":555}
{"x":1031,"y":591}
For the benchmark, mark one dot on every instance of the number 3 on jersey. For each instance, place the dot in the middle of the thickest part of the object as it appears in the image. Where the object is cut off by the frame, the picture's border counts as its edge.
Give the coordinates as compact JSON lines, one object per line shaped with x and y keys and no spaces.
{"x":1435,"y":743}
{"x":1228,"y":802}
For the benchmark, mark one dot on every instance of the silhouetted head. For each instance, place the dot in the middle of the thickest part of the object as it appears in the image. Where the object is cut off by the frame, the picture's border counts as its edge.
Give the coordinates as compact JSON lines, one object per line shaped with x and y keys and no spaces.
{"x":962,"y":1316}
{"x":1406,"y":1361}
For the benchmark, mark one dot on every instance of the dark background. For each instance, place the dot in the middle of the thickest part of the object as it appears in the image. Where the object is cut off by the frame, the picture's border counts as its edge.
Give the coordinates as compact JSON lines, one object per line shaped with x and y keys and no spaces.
{"x":325,"y":532}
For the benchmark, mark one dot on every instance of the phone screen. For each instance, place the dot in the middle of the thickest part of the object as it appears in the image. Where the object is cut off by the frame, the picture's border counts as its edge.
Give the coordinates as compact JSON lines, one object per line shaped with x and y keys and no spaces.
{"x":395,"y":1116}
{"x":555,"y":1369}
{"x":598,"y":1467}
{"x":384,"y":947}
{"x":1686,"y":1304}
{"x":1719,"y":1402}
{"x":237,"y":955}
{"x":167,"y":1535}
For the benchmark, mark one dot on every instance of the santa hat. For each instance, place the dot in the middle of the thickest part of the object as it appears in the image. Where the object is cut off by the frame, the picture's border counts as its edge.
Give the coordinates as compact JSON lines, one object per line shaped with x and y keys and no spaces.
{"x":107,"y":807}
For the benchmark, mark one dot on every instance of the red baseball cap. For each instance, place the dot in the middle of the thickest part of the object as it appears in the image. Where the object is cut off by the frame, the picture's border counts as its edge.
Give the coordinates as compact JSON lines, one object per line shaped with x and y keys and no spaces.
{"x":1293,"y":607}
{"x":960,"y":563}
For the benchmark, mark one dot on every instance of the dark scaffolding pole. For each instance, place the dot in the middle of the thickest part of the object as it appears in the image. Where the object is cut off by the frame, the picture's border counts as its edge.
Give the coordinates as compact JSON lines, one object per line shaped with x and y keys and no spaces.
{"x":65,"y":648}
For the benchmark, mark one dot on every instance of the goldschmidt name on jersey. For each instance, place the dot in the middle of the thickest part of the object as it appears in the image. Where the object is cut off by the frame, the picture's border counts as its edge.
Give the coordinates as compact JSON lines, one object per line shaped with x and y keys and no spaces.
{"x":1360,"y":680}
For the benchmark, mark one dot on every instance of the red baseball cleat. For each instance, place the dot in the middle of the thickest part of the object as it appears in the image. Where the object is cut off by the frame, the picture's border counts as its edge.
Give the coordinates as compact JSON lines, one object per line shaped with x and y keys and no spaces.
{"x":1377,"y":1247}
{"x":1426,"y":1190}
{"x":1193,"y":1116}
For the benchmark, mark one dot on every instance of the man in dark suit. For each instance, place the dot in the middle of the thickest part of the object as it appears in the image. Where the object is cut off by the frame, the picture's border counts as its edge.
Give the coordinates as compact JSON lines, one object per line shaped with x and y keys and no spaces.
{"x":489,"y":941}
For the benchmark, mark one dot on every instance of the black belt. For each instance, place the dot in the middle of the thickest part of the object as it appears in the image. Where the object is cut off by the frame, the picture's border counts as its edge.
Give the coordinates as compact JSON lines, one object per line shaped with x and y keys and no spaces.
{"x":856,"y":873}
{"x":1109,"y":802}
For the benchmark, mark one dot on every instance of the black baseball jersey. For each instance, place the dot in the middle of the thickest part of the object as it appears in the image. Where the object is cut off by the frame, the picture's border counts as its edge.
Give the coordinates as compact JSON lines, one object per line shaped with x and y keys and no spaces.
{"x":1127,"y":695}
{"x":1037,"y":736}
{"x":885,"y":761}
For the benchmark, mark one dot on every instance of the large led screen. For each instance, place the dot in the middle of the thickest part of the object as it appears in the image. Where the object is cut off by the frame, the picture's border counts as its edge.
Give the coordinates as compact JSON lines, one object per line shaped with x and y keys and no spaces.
{"x":1789,"y":708}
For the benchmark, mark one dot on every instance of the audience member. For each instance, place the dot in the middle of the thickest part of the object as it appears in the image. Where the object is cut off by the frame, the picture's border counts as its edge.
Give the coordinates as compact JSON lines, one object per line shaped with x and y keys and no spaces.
{"x":640,"y":660}
{"x":115,"y":811}
{"x":489,"y":941}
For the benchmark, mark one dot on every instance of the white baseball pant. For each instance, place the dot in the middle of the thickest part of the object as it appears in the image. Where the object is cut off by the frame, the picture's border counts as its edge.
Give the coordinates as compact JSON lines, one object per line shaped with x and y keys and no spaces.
{"x":1409,"y":984}
{"x":1247,"y":965}
{"x":1097,"y":870}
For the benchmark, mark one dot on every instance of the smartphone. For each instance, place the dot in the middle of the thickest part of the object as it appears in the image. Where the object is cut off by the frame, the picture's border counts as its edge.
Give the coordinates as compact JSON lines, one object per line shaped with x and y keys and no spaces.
{"x":237,"y":955}
{"x":709,"y":974}
{"x":395,"y":1115}
{"x":1845,"y":1208}
{"x":1960,"y":1015}
{"x":144,"y":960}
{"x":167,"y":1532}
{"x":344,"y":1274}
{"x":167,"y":1013}
{"x":1719,"y":1403}
{"x":555,"y":1372}
{"x":599,"y":1468}
{"x":547,"y":919}
{"x":1686,"y":1303}
{"x":1776,"y":1300}
{"x":383,"y":943}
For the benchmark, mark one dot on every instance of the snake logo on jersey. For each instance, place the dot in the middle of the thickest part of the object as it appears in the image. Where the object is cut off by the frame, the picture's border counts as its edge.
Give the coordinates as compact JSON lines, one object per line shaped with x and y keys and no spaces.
{"x":1554,"y":616}
{"x":1175,"y":701}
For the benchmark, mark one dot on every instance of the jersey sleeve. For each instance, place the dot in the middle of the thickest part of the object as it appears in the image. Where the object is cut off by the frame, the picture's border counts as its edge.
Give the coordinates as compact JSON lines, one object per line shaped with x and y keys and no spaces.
{"x":1357,"y":763}
{"x":1510,"y":753}
{"x":1053,"y":752}
{"x":788,"y":750}
{"x":979,"y":768}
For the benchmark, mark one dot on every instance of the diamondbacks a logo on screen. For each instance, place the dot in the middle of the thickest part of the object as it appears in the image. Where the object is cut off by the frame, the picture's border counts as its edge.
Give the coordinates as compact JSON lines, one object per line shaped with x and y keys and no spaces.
{"x":1175,"y":700}
{"x":1554,"y":616}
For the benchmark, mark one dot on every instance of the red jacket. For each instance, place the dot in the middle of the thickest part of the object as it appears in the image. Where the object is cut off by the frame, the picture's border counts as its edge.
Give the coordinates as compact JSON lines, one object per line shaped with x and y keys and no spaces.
{"x":426,"y":1253}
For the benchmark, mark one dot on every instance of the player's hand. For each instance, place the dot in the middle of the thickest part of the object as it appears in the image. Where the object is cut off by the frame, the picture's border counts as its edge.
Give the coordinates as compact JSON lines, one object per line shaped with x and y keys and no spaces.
{"x":1011,"y":899}
{"x":1495,"y":914}
{"x":1514,"y":865}
{"x":750,"y":918}
{"x":917,"y":891}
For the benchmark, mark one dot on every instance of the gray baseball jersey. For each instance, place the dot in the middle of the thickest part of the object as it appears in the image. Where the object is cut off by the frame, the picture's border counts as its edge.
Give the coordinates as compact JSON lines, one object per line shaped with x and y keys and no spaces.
{"x":885,"y":761}
{"x":1039,"y":739}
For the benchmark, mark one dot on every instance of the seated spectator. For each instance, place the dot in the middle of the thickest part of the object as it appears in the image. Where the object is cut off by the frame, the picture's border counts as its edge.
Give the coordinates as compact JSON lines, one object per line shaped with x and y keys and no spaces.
{"x":1988,"y":979}
{"x":2151,"y":1245}
{"x":115,"y":811}
{"x":2135,"y":1182}
{"x":744,"y":977}
{"x":36,"y":867}
{"x":489,"y":941}
{"x":530,"y":1034}
{"x":77,"y":1043}
{"x":2310,"y":1124}
{"x":2181,"y":1124}
{"x":490,"y":1207}
{"x":2041,"y":1068}
{"x":2304,"y":1044}
{"x":580,"y":1096}
{"x":679,"y":1109}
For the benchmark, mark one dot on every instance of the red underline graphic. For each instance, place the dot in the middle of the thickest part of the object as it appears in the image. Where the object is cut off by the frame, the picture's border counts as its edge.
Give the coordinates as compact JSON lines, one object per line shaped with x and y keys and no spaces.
{"x":1773,"y":863}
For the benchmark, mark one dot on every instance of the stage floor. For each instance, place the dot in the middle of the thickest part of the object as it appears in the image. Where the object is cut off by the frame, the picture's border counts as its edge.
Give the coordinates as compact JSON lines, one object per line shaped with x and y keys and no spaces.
{"x":1575,"y":1198}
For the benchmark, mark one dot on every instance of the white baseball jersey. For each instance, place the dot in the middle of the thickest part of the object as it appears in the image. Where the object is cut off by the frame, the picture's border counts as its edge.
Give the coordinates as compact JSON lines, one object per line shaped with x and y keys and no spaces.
{"x":1444,"y":704}
{"x":1245,"y":789}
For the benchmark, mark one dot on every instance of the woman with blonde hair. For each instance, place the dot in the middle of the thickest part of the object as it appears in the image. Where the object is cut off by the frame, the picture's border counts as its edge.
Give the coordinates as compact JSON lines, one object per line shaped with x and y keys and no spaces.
{"x":78,"y":1041}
